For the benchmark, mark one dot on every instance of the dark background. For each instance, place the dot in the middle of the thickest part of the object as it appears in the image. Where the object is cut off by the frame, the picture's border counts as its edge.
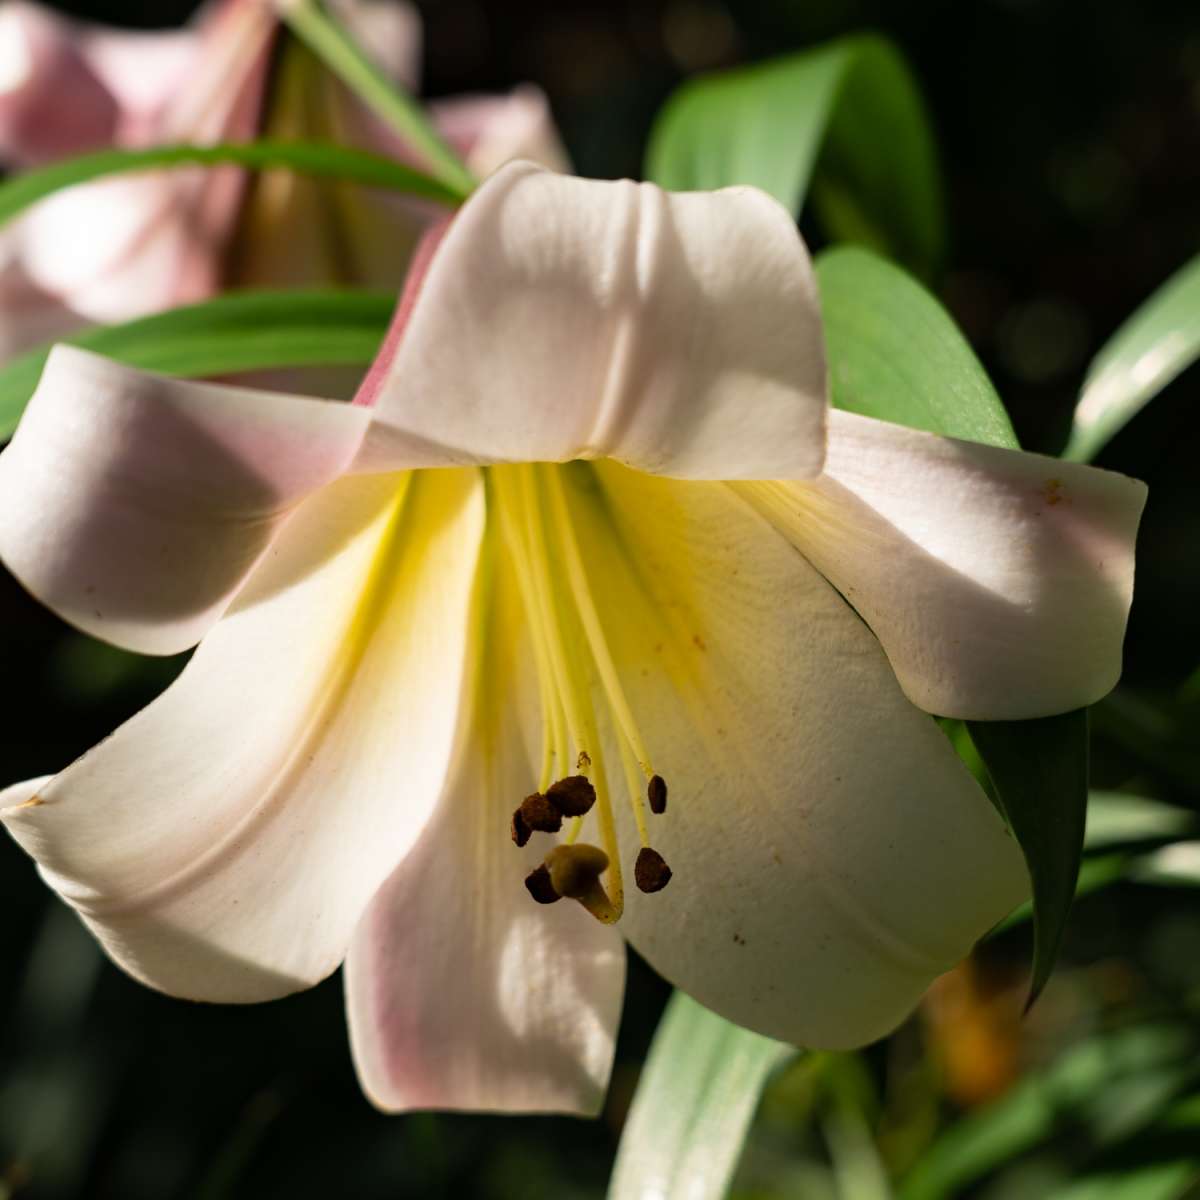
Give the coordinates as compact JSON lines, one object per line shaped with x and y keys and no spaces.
{"x":1070,"y":139}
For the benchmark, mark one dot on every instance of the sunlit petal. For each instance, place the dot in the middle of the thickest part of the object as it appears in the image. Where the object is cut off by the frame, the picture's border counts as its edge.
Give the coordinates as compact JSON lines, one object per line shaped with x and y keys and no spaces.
{"x":678,"y":333}
{"x":224,"y":843}
{"x":831,"y":855}
{"x":998,"y":582}
{"x":461,"y":992}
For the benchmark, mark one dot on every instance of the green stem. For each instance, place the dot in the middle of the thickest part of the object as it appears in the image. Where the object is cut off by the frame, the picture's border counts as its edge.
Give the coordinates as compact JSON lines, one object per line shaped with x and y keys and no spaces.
{"x":343,"y":56}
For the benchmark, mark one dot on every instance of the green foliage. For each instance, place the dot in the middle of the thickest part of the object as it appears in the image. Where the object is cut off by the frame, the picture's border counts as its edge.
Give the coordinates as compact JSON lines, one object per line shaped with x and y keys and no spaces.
{"x":1160,"y":340}
{"x":307,"y":158}
{"x":1114,"y":1091}
{"x":694,"y":1104}
{"x":1039,"y":770}
{"x":896,"y":354}
{"x":239,"y":331}
{"x":844,"y":121}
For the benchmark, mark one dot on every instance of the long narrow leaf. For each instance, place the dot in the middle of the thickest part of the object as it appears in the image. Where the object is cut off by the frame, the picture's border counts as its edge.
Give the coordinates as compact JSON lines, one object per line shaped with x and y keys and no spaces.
{"x":1159,"y":341}
{"x":308,"y":158}
{"x":1040,"y":773}
{"x":239,"y":331}
{"x":693,"y":1107}
{"x":844,"y":122}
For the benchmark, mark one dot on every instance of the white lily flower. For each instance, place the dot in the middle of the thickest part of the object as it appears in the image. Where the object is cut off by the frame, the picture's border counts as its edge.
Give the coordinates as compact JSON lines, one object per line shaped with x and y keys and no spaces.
{"x":549,"y":541}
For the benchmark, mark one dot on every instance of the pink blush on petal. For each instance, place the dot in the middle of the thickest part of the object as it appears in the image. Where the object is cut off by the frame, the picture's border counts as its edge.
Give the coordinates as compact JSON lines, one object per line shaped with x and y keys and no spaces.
{"x":368,"y":391}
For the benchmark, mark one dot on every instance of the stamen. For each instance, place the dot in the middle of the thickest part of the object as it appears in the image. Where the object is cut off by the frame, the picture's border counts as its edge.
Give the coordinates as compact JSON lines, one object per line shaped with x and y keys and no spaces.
{"x":590,"y":619}
{"x":651,"y":872}
{"x":572,"y":796}
{"x":571,"y":650}
{"x":540,"y":887}
{"x":575,"y":872}
{"x":656,"y":793}
{"x":521,"y":833}
{"x":540,"y":814}
{"x":633,"y":787}
{"x":574,"y":698}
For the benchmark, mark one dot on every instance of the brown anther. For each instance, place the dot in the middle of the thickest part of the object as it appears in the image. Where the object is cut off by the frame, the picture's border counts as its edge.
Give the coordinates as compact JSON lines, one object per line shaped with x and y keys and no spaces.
{"x":572,"y":796}
{"x":656,"y":793}
{"x":575,"y":869}
{"x":520,"y":831}
{"x":540,"y":814}
{"x":651,"y":872}
{"x":539,"y":886}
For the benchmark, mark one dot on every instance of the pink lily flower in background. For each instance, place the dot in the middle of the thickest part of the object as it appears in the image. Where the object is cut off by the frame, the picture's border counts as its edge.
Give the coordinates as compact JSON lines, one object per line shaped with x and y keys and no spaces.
{"x":117,"y":249}
{"x":590,"y":526}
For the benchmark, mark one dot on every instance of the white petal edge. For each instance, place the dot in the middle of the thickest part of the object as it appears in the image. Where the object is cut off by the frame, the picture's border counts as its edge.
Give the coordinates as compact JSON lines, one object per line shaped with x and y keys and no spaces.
{"x":997,"y":581}
{"x":223,"y":844}
{"x":831,"y":855}
{"x":135,"y":505}
{"x":564,"y":318}
{"x":461,"y":992}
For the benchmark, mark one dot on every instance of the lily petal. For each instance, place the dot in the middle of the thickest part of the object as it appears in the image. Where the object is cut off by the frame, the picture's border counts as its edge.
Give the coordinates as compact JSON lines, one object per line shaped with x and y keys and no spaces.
{"x":677,"y":333}
{"x":831,"y":855}
{"x":136,"y":505}
{"x":998,"y":582}
{"x":224,"y":842}
{"x":41,"y":66}
{"x":117,"y":248}
{"x":489,"y":131}
{"x":461,"y":992}
{"x":390,"y":32}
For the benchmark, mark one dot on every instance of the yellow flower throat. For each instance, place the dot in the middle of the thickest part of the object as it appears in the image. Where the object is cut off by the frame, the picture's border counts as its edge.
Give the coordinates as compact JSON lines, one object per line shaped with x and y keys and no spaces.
{"x":568,"y":642}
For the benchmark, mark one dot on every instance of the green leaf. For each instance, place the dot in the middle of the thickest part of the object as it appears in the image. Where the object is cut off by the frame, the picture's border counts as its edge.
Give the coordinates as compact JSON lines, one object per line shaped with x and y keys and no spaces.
{"x":845,"y":121}
{"x":1096,"y":872}
{"x":1153,"y":1181}
{"x":897,"y":355}
{"x":1039,"y":770}
{"x":1106,"y":1088}
{"x":1160,"y":340}
{"x":1177,"y":865}
{"x":1122,"y":819}
{"x":239,"y":331}
{"x":307,"y":158}
{"x":693,"y":1107}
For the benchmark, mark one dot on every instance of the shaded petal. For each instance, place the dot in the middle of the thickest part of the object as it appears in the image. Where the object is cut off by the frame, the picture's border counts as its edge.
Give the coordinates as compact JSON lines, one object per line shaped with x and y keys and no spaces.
{"x":489,"y":131}
{"x":28,"y":314}
{"x":831,"y":855}
{"x":135,"y":505}
{"x":52,"y":103}
{"x":462,"y":993}
{"x":224,"y":842}
{"x":565,"y":318}
{"x":999,"y":582}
